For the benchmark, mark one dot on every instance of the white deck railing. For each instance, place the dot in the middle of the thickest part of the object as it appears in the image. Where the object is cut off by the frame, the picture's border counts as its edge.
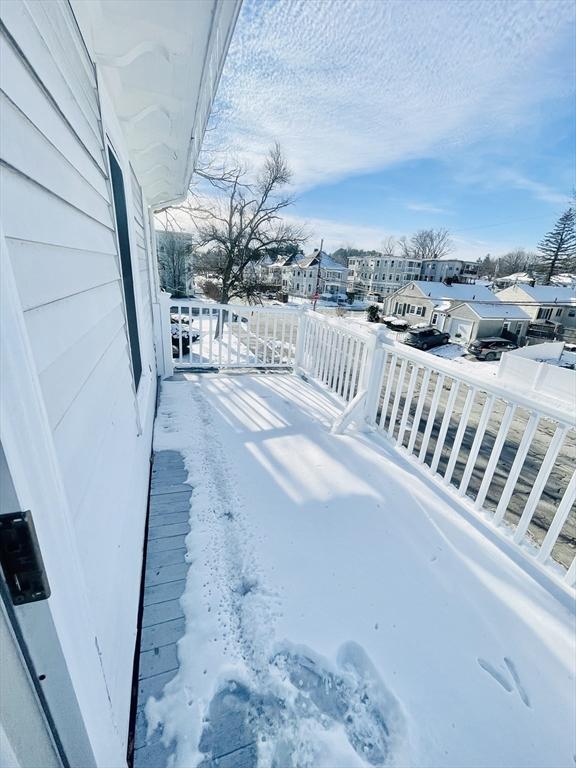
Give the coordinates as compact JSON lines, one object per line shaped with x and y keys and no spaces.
{"x":210,"y":335}
{"x":507,"y":456}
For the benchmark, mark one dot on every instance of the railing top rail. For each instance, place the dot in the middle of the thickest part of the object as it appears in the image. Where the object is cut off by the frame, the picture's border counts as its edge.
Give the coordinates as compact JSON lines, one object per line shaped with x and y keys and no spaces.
{"x":337,"y":323}
{"x":237,"y":308}
{"x":542,"y":406}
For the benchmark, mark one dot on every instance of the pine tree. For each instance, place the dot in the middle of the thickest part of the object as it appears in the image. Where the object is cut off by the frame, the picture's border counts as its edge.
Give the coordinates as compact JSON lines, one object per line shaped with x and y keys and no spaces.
{"x":558,"y":247}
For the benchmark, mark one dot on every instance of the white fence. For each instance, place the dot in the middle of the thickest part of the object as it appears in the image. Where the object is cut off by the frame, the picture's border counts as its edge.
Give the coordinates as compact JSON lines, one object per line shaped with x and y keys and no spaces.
{"x":207,"y":335}
{"x":509,"y":457}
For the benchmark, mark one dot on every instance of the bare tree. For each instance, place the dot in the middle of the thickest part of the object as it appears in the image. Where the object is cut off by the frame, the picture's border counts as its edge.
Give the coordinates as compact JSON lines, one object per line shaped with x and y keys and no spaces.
{"x":429,"y":244}
{"x":515,"y":261}
{"x":175,"y":262}
{"x":243,"y":224}
{"x":389,"y":246}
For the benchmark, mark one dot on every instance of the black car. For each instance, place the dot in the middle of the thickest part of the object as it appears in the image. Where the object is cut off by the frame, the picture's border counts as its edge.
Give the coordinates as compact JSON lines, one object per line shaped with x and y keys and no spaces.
{"x":424,"y":338}
{"x":491,"y":348}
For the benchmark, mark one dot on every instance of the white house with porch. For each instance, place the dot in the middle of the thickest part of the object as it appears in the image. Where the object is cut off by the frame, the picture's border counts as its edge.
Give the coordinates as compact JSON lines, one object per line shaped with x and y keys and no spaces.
{"x":364,"y":557}
{"x":104,"y":107}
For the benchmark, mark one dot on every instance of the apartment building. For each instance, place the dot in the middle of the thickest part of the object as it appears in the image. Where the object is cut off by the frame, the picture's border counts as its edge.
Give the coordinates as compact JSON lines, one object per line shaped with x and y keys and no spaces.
{"x":440,"y":270}
{"x":374,"y":277}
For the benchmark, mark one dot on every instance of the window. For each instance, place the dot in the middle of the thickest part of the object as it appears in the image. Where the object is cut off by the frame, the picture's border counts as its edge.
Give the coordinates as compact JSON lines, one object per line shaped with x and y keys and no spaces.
{"x":119,"y":196}
{"x":544,"y":313}
{"x":423,"y":311}
{"x":397,"y":278}
{"x":434,"y":318}
{"x":419,"y":310}
{"x":572,"y":313}
{"x":297,"y":286}
{"x":558,"y":311}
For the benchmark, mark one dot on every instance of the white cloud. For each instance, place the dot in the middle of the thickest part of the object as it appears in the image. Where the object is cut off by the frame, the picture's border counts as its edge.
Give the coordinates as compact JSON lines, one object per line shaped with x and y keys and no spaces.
{"x":351,"y":87}
{"x":427,"y":208}
{"x":540,"y":191}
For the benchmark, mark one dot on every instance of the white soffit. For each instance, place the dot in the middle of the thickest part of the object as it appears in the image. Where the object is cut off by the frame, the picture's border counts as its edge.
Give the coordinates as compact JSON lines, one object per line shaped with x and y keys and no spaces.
{"x":161,"y":61}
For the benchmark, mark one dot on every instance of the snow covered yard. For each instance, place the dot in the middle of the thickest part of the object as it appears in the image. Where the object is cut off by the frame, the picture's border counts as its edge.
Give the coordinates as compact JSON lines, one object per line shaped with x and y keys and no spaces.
{"x":340,"y":611}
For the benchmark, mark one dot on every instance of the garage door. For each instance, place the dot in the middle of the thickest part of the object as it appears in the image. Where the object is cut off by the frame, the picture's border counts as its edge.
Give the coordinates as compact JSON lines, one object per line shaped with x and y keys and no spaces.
{"x":461,"y":330}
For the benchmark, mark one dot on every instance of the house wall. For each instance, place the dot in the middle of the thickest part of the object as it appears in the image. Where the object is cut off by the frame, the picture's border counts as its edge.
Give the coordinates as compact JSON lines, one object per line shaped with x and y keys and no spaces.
{"x":482,"y":328}
{"x":564,"y":315}
{"x":414,"y":309}
{"x":59,"y":229}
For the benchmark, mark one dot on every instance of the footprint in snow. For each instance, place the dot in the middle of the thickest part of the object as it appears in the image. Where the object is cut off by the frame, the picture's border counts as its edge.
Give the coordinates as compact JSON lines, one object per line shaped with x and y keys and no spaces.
{"x":349,"y":694}
{"x":508,"y":678}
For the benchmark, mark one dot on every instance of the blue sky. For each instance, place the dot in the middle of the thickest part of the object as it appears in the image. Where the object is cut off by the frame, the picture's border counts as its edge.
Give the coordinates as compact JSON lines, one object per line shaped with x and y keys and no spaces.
{"x":408,"y":114}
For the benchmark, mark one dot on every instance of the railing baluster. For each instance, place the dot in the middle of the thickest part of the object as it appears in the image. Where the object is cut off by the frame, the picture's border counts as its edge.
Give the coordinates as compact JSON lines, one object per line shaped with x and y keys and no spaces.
{"x":558,"y":522}
{"x":325,"y":353}
{"x":374,"y":396}
{"x":478,"y":437}
{"x":332,"y":359}
{"x":180,"y":354}
{"x":541,"y":479}
{"x":570,"y":577}
{"x":389,"y":383}
{"x":349,"y":366}
{"x":274,"y":327}
{"x":229,"y":316}
{"x":337,"y":360}
{"x":444,"y":426}
{"x":495,"y":455}
{"x":431,"y":417}
{"x":318,"y":351}
{"x":521,"y":454}
{"x":200,"y":334}
{"x":257,"y":341}
{"x":419,"y":407}
{"x":397,"y":396}
{"x":408,"y":403}
{"x":344,"y":364}
{"x":356,"y":364}
{"x":210,"y":335}
{"x":462,"y":424}
{"x":220,"y":335}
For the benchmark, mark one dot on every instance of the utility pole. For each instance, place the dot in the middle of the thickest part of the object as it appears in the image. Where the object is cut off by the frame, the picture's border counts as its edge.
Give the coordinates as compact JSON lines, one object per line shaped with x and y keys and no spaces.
{"x":317,"y":291}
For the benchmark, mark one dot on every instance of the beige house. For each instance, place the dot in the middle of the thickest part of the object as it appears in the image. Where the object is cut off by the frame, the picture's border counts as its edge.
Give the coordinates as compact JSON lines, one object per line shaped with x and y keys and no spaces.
{"x":549,"y":303}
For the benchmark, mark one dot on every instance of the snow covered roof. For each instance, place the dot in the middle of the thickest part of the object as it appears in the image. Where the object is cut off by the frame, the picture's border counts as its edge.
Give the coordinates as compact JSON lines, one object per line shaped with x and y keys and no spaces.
{"x":497,"y":310}
{"x":455,"y":292}
{"x":326,"y":261}
{"x":517,"y":277}
{"x":565,"y":280}
{"x":549,"y":294}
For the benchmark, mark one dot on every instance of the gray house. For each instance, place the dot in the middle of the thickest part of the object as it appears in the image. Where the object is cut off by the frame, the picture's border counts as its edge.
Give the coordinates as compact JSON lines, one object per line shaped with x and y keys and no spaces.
{"x":422,"y":301}
{"x":474,"y":320}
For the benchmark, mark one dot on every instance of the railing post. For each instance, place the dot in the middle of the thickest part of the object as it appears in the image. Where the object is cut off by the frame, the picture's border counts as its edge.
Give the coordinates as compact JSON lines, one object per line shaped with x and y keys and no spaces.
{"x":372,"y":377}
{"x":165,"y":353}
{"x":300,"y":333}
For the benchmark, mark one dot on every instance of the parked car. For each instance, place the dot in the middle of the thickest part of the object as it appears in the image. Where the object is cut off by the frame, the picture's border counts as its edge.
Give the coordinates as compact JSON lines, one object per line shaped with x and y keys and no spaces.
{"x":424,"y":338}
{"x":491,"y":348}
{"x":187,"y":335}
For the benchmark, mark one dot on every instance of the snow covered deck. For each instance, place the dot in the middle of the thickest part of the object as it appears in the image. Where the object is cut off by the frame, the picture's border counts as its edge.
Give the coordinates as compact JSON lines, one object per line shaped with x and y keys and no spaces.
{"x":340,"y":610}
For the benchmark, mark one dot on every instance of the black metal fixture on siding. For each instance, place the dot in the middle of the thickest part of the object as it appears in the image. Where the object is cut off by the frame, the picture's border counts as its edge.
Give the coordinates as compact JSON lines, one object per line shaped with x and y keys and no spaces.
{"x":21,"y":559}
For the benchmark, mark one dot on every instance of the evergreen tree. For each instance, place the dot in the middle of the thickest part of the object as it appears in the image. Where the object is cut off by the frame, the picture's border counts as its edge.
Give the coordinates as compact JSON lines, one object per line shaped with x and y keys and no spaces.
{"x":558,"y":247}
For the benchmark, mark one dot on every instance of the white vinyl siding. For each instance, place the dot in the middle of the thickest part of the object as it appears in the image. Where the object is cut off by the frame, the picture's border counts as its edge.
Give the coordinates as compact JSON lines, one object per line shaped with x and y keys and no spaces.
{"x":58,"y":224}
